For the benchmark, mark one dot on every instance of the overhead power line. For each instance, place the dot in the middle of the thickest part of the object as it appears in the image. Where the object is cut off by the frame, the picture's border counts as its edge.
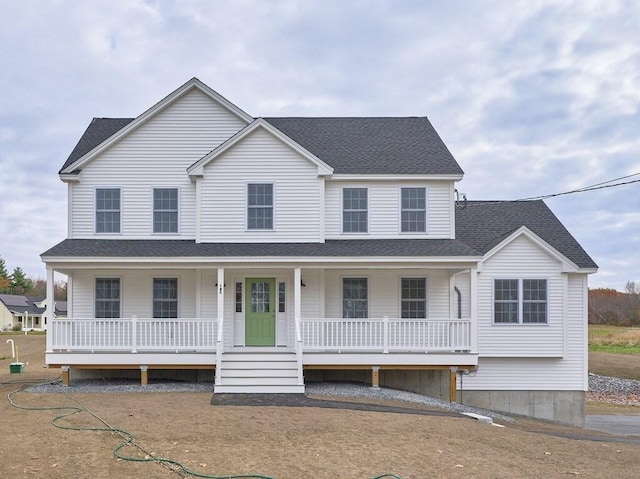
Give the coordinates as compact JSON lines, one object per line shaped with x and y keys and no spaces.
{"x":597,"y":186}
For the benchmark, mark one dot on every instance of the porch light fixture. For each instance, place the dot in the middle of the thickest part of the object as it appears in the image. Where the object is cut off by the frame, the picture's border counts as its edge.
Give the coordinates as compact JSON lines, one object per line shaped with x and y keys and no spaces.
{"x":302,"y":283}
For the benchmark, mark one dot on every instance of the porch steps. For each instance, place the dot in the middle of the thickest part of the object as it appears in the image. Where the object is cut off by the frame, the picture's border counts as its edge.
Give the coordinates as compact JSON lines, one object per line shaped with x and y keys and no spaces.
{"x":259,"y":372}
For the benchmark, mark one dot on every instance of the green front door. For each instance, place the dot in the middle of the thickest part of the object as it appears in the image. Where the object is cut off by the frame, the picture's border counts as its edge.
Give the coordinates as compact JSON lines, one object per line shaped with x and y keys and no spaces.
{"x":260,"y":312}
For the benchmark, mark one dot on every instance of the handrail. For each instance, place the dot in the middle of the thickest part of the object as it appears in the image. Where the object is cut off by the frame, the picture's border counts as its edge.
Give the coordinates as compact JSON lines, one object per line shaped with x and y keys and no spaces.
{"x":219,"y":347}
{"x":299,"y":350}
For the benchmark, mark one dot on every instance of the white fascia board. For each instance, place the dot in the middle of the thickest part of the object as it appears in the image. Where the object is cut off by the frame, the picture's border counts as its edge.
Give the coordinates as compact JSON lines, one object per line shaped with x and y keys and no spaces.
{"x":568,"y":266}
{"x":86,"y":262}
{"x":390,"y":177}
{"x":151,"y":112}
{"x":197,"y":169}
{"x":70,"y":177}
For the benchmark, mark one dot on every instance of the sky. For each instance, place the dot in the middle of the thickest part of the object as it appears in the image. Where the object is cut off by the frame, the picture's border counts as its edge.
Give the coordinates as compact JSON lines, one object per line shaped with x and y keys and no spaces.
{"x":531,"y":97}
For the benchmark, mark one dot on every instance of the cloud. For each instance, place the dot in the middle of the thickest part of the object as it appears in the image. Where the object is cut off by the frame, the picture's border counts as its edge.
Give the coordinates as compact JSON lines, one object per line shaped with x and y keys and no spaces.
{"x":530,"y":97}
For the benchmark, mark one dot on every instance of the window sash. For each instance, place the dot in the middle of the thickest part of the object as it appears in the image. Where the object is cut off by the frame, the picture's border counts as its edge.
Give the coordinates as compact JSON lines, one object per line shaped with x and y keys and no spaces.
{"x":108,"y":210}
{"x":107,"y":299}
{"x":413,"y":210}
{"x":355,"y":210}
{"x":165,"y":210}
{"x":260,"y":206}
{"x":355,"y":298}
{"x":165,"y":297}
{"x":520,"y":301}
{"x":413,"y":298}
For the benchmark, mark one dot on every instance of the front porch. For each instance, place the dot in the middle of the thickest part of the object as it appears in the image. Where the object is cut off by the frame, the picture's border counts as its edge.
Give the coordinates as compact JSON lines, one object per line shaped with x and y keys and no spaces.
{"x":261,"y":327}
{"x":370,"y":344}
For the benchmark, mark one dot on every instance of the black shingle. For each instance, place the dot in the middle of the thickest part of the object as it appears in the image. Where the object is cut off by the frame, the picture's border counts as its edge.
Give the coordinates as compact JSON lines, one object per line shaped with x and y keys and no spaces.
{"x":98,"y":131}
{"x":383,"y":145}
{"x":483,"y":224}
{"x":189,"y":248}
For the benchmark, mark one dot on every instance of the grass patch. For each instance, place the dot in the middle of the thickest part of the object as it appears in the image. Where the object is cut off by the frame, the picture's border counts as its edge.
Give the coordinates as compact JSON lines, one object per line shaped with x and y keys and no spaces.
{"x":614,"y":339}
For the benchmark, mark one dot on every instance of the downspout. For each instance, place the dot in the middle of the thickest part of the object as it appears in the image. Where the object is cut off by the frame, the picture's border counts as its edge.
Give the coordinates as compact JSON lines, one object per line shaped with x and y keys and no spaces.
{"x":459,"y":295}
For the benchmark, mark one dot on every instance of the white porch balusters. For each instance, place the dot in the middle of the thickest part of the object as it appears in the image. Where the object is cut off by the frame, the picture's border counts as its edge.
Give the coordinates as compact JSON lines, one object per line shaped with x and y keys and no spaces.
{"x":473,"y":286}
{"x":134,"y":334}
{"x":220,"y":339}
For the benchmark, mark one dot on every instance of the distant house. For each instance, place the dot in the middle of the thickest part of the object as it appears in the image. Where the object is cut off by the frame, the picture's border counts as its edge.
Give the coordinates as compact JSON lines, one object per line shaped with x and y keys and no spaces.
{"x":277,"y":251}
{"x":20,"y":311}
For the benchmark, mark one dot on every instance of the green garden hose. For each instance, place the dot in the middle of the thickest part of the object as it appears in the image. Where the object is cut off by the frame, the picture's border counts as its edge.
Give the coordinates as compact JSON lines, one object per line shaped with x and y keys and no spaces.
{"x":126,"y":435}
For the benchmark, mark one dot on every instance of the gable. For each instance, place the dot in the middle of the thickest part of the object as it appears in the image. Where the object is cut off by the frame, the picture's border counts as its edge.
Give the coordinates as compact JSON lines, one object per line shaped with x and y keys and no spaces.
{"x":522,"y":255}
{"x":205,"y":113}
{"x":272,"y":138}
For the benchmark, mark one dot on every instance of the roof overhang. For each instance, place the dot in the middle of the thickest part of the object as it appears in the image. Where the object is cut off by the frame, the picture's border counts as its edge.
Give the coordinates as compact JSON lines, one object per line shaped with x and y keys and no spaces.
{"x":390,"y":177}
{"x":192,"y":84}
{"x":197,"y":169}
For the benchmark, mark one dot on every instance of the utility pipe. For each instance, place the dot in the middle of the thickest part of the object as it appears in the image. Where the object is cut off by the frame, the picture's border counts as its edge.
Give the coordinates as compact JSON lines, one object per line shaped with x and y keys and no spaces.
{"x":13,"y":348}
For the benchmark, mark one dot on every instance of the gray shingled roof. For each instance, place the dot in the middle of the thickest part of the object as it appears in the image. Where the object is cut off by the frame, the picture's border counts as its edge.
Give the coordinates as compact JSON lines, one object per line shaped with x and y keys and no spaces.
{"x":349,"y":145}
{"x":383,"y":145}
{"x":189,"y":248}
{"x":483,"y":224}
{"x":98,"y":130}
{"x":18,"y":304}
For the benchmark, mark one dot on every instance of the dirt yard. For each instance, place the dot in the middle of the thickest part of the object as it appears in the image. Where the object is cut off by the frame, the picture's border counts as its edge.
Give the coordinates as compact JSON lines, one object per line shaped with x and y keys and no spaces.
{"x":280,"y":443}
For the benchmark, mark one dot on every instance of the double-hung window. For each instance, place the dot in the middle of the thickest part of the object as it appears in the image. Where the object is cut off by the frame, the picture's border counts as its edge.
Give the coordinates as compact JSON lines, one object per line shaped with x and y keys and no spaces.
{"x":520,"y":301}
{"x":413,"y":303}
{"x":108,"y":210}
{"x":355,"y":298}
{"x":354,"y":210}
{"x":107,"y":300}
{"x":413,"y":210}
{"x":260,"y":206}
{"x":165,"y":210}
{"x":165,"y":297}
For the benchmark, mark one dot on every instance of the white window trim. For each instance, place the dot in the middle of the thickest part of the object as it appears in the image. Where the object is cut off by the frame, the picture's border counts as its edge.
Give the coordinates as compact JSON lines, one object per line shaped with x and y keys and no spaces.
{"x":246,"y":205}
{"x":357,"y":276}
{"x":426,"y":211}
{"x":153,"y":188}
{"x":166,"y":276}
{"x":95,"y":210}
{"x":357,"y":233}
{"x":426,"y":287}
{"x":95,"y":279}
{"x":520,"y":321}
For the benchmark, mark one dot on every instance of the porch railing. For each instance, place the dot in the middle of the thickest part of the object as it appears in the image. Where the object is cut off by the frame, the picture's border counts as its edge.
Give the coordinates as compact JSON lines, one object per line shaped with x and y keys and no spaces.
{"x":387,"y":335}
{"x":134,"y":334}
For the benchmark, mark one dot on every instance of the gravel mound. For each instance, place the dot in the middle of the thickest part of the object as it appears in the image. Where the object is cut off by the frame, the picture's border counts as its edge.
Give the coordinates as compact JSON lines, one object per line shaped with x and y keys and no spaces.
{"x":607,"y":384}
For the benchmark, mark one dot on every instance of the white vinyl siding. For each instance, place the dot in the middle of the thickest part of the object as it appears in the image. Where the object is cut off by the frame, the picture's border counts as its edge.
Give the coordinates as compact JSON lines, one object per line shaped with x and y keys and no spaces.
{"x":384,"y":209}
{"x":383,"y":300}
{"x":521,"y":259}
{"x":261,"y":158}
{"x":156,"y":154}
{"x":136,"y":292}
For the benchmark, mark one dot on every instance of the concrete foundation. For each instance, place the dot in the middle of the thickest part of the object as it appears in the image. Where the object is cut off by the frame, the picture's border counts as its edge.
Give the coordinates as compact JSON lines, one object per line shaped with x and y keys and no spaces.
{"x":562,"y":406}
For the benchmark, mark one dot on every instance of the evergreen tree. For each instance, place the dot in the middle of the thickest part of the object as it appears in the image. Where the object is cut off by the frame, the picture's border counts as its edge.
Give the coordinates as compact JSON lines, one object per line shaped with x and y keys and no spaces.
{"x":20,"y":284}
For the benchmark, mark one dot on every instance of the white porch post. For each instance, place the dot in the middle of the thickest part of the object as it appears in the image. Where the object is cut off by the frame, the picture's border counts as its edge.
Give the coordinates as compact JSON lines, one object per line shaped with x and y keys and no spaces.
{"x":49,"y":312}
{"x":220,"y":320}
{"x":297,"y":293}
{"x":473,"y":286}
{"x":297,"y":311}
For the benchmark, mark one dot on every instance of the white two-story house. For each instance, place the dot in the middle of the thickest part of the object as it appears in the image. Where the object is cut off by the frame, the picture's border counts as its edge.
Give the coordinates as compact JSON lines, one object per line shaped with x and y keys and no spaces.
{"x":266,"y":252}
